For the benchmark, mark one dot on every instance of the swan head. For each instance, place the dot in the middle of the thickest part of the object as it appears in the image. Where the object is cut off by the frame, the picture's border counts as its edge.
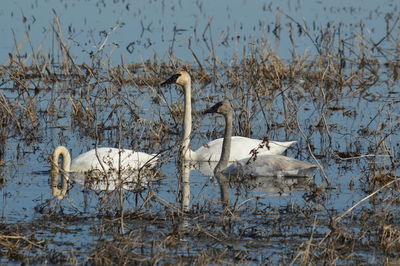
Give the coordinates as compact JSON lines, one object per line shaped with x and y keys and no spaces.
{"x":224,"y":108}
{"x":180,"y":78}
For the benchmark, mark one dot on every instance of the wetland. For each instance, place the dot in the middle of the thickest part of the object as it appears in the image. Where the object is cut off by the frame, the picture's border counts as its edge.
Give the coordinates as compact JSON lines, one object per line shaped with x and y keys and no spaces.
{"x":322,"y":74}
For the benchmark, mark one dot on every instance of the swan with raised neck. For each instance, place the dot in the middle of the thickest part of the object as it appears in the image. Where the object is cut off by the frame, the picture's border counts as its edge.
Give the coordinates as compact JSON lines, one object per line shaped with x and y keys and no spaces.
{"x":261,"y":165}
{"x":241,"y":146}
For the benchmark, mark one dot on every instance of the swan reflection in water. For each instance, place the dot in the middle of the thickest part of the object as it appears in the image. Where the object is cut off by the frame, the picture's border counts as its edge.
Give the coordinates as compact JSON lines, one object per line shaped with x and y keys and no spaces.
{"x":271,"y":183}
{"x":98,"y":180}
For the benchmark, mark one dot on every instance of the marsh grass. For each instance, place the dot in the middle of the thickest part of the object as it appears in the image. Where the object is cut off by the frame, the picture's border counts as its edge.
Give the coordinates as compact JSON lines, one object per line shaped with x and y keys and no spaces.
{"x":110,"y":105}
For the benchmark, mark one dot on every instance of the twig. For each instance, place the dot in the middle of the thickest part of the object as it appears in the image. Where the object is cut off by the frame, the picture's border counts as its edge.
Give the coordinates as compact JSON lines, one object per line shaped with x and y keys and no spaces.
{"x":23,"y":238}
{"x":305,"y":31}
{"x":338,"y":218}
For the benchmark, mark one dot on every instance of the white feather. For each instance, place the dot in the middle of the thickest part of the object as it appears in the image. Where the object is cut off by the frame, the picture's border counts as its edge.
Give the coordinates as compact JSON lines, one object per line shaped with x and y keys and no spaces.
{"x":106,"y":159}
{"x":241,"y":147}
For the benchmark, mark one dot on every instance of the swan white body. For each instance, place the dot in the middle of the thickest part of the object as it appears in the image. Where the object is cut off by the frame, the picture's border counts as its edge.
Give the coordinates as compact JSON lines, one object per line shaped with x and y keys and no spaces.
{"x":261,"y":165}
{"x":240,"y":146}
{"x":112,"y":180}
{"x":104,"y":159}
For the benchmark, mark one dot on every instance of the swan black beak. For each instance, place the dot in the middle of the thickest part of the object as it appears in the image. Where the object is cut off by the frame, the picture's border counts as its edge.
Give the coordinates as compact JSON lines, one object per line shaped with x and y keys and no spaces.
{"x":213,"y":109}
{"x":171,"y":80}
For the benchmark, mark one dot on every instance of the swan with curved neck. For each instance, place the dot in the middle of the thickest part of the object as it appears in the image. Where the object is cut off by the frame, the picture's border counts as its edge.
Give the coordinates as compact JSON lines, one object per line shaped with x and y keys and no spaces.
{"x":262,"y":165}
{"x":103,"y":159}
{"x":58,"y":193}
{"x":241,"y":146}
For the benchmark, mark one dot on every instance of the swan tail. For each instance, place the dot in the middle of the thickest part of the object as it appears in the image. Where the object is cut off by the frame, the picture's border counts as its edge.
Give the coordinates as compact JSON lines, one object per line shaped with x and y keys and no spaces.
{"x":286,"y":144}
{"x":152,"y":160}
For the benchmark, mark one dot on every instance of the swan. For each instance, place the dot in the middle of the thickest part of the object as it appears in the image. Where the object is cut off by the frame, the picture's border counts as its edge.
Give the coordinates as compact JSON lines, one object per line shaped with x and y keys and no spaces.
{"x":241,"y":146}
{"x":103,"y":159}
{"x":261,"y":165}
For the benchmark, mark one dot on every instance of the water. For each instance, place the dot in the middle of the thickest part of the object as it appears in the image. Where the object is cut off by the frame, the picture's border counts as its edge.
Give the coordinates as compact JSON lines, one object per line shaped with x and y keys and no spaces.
{"x":272,"y":218}
{"x":136,"y":31}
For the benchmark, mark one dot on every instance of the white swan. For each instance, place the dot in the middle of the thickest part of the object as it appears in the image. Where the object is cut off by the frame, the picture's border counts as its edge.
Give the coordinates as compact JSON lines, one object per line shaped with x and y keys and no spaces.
{"x":103,"y":159}
{"x":261,"y":165}
{"x":241,"y":146}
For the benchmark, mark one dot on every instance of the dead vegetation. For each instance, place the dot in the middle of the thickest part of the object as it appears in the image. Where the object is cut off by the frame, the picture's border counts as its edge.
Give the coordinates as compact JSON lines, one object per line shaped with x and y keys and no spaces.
{"x":301,"y":98}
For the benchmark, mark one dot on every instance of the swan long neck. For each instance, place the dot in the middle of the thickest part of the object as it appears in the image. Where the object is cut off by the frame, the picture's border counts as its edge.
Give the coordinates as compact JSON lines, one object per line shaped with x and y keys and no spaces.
{"x":187,"y":123}
{"x":60,"y":193}
{"x":226,"y":144}
{"x":61,"y":150}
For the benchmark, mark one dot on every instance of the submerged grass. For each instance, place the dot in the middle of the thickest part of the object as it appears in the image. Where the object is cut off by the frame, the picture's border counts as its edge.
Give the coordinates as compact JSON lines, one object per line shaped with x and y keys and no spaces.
{"x":110,"y":105}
